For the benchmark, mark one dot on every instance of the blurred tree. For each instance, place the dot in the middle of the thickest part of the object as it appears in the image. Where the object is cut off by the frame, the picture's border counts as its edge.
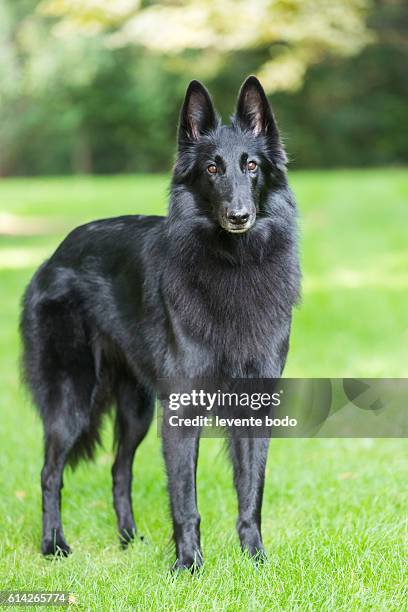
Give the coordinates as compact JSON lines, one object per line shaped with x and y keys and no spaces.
{"x":354,"y":112}
{"x":97,"y":86}
{"x":72,"y":104}
{"x":37,"y":75}
{"x":297,"y":33}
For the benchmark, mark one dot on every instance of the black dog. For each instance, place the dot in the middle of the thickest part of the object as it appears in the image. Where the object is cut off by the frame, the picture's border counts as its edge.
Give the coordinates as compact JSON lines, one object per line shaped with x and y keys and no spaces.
{"x":206,"y":291}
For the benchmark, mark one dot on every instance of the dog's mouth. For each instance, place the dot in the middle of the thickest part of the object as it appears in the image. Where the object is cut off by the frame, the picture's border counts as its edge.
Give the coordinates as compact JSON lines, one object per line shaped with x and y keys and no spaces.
{"x":237,"y":228}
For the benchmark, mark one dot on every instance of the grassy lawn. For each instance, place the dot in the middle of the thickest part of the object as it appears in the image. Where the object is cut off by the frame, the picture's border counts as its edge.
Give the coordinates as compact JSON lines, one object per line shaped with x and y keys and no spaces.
{"x":335,"y":511}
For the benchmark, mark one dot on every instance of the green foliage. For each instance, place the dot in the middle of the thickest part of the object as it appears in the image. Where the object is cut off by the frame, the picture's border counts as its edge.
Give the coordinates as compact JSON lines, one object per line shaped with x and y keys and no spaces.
{"x":334,"y":516}
{"x":354,"y":111}
{"x":297,"y":32}
{"x":74,"y":98}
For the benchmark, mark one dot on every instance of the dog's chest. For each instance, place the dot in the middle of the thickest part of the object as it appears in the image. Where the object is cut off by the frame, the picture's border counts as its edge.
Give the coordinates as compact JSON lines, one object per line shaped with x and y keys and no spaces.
{"x":227,"y":316}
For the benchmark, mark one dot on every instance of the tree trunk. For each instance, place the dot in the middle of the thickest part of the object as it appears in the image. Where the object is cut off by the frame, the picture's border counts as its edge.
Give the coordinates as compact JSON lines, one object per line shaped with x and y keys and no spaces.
{"x":81,"y":157}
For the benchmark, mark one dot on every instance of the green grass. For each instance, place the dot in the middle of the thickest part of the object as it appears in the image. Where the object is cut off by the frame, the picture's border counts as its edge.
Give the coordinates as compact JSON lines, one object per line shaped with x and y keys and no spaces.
{"x":335,"y":511}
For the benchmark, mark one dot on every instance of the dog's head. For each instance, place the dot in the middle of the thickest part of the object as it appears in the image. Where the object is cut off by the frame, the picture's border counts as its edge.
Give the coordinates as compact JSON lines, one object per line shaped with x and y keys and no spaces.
{"x":229,"y":169}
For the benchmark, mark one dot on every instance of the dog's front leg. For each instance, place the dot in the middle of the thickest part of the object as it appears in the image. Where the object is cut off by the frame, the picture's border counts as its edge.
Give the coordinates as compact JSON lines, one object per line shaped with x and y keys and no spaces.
{"x":249,"y":461}
{"x":180,"y":454}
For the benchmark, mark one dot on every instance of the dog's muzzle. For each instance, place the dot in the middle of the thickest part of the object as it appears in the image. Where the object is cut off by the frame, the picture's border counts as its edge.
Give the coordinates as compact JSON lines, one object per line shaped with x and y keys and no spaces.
{"x":237,"y":221}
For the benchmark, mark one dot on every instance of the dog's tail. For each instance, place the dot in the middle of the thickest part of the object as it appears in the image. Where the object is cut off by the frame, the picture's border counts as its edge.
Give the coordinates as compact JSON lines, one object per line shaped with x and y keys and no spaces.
{"x":61,"y":366}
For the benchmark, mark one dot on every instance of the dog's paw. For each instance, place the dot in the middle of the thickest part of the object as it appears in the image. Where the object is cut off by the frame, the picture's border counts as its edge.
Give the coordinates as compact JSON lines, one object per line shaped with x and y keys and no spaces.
{"x":55,"y":546}
{"x":128,"y":536}
{"x":251,"y":542}
{"x":258,"y":555}
{"x":255,"y":552}
{"x":193,"y":563}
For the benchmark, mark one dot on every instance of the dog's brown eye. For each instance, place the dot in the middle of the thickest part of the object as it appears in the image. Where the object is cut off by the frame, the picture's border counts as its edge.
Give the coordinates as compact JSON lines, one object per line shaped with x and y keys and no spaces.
{"x":251,"y":165}
{"x":212,"y":169}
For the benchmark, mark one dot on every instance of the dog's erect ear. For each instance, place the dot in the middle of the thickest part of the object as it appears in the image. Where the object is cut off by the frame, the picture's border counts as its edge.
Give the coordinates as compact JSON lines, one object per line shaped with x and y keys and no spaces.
{"x":253,"y":110}
{"x":255,"y":115}
{"x":197,"y":115}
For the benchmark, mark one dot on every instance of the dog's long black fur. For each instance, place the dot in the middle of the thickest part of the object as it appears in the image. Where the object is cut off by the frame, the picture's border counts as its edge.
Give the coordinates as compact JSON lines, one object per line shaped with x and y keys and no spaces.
{"x":207,"y":291}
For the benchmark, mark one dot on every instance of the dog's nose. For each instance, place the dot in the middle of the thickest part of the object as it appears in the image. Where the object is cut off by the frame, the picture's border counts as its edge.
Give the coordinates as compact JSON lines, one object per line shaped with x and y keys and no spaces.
{"x":238,"y":217}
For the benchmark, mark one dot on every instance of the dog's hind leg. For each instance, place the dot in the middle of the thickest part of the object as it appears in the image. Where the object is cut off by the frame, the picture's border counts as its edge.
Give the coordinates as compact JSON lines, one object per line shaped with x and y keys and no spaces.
{"x":62,"y":431}
{"x":249,"y":460}
{"x":135,"y":407}
{"x":59,"y":368}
